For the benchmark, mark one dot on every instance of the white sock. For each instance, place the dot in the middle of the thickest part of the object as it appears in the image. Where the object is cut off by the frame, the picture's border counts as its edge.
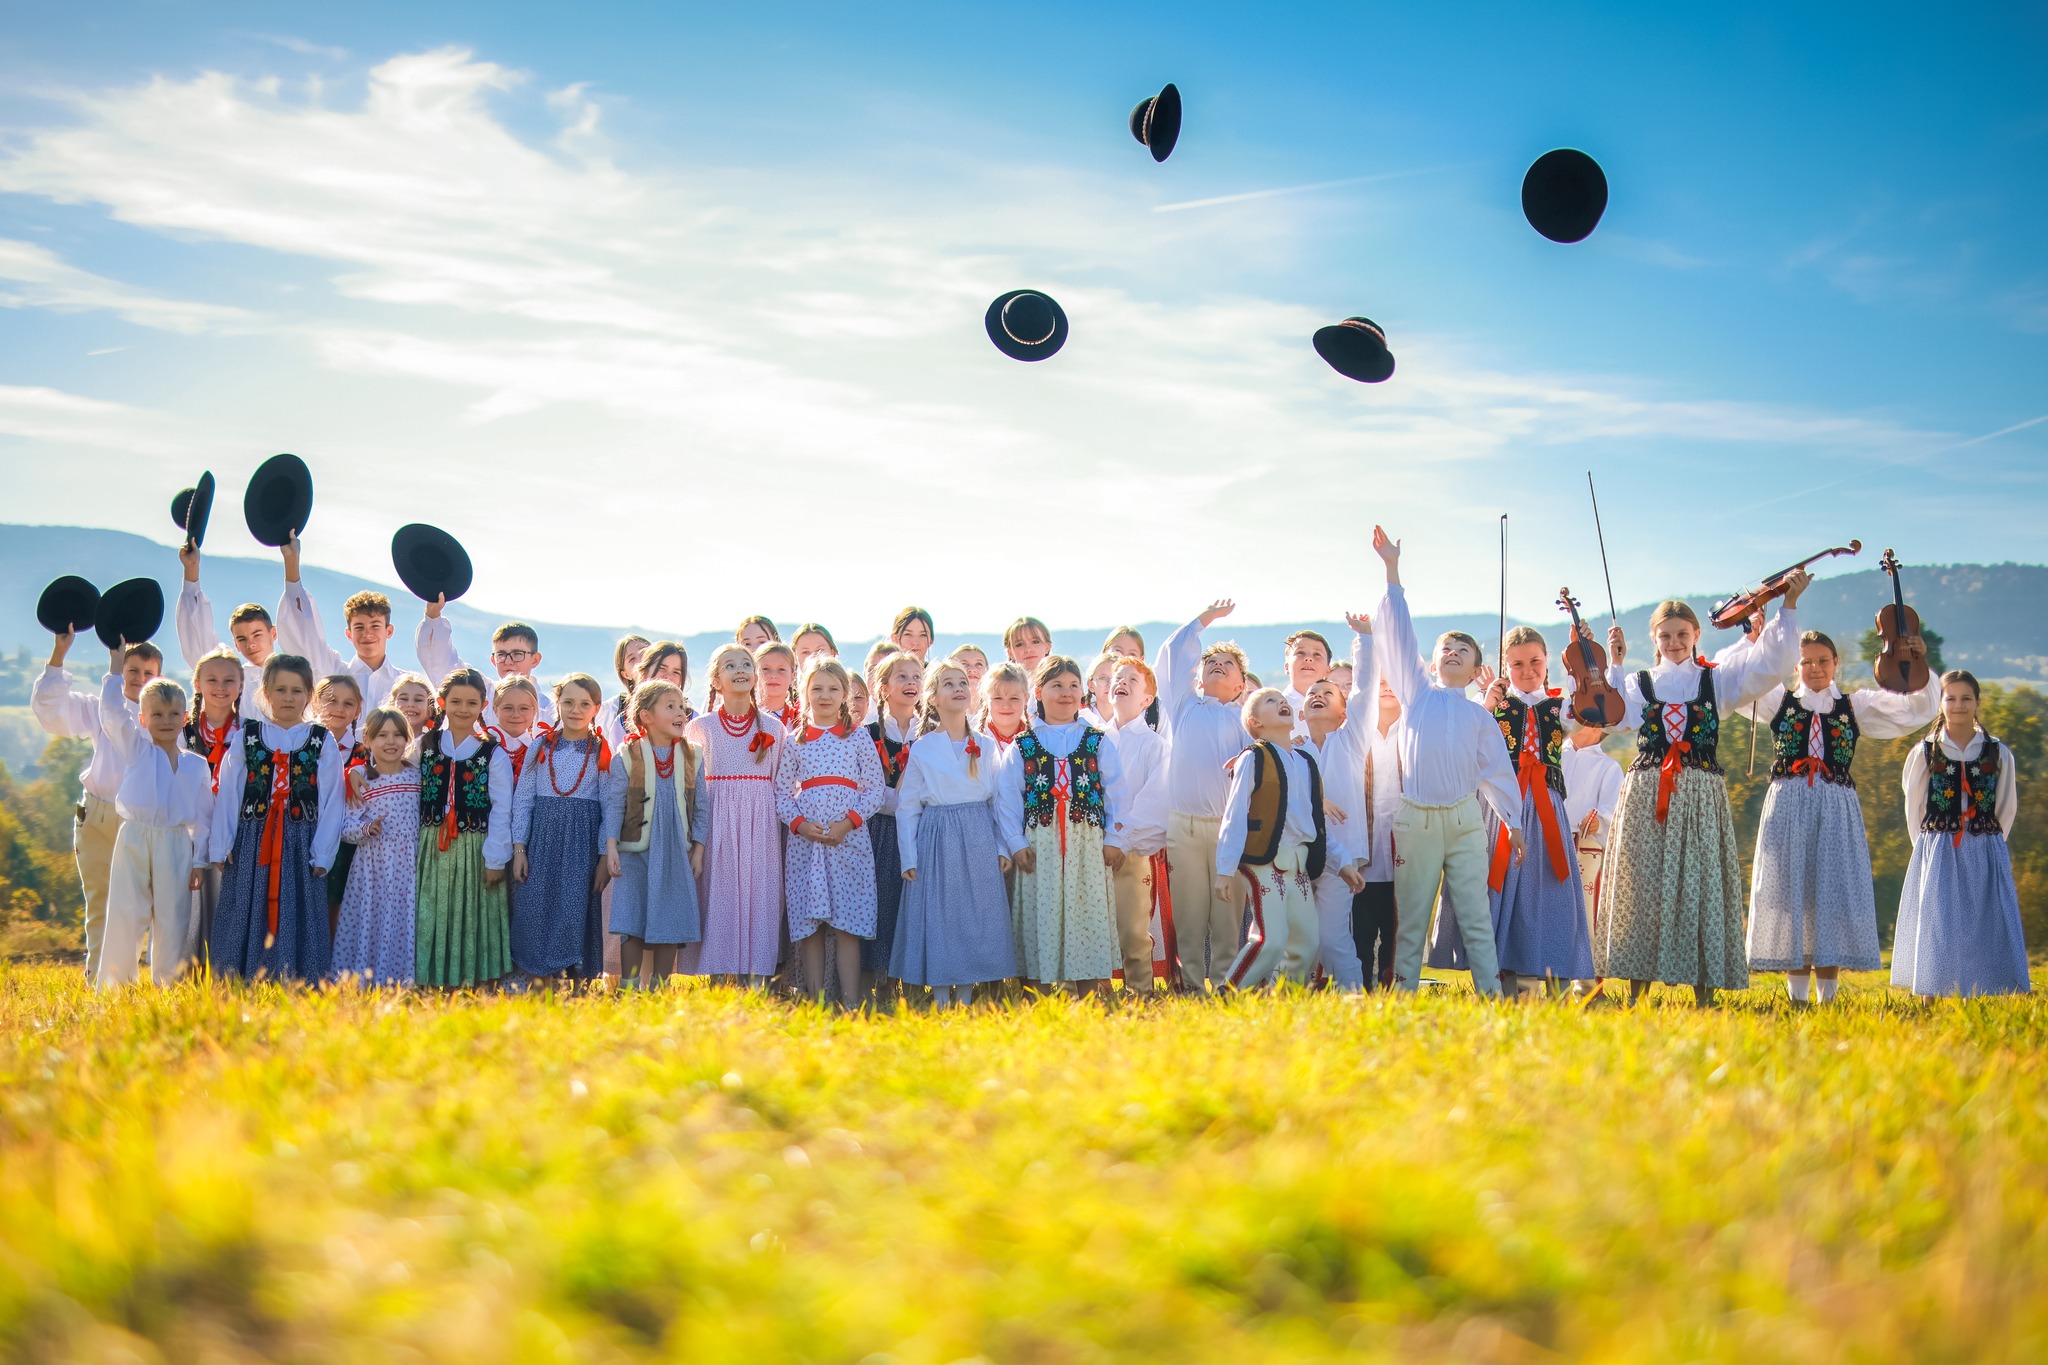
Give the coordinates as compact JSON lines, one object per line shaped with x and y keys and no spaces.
{"x":1827,"y":988}
{"x":1796,"y":984}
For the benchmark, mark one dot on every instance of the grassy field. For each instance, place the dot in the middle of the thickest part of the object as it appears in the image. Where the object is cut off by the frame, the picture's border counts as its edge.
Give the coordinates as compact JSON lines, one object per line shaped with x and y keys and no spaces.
{"x":212,"y":1174}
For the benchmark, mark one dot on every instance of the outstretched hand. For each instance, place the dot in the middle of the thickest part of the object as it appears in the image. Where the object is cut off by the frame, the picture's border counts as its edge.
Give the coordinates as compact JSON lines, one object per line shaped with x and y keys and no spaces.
{"x":1389,"y":551}
{"x":1216,"y":611}
{"x":1360,"y":623}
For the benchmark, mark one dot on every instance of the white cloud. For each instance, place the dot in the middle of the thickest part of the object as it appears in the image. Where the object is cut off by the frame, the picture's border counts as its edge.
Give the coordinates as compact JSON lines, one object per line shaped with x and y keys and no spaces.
{"x":769,"y":390}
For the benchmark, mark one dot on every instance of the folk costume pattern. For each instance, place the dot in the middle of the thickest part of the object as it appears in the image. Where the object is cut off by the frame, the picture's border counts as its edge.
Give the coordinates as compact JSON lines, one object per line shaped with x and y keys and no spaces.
{"x":954,"y":928}
{"x":741,"y":889}
{"x":827,"y":777}
{"x":462,"y":930}
{"x":1959,"y":918}
{"x":374,"y":939}
{"x":1538,"y":904}
{"x":665,"y":807}
{"x":271,"y":921}
{"x":568,"y":799}
{"x":1063,"y":911}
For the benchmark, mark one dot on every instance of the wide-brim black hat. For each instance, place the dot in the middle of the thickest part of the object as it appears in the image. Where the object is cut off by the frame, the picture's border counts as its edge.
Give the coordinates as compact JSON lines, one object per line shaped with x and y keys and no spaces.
{"x":1564,"y":194}
{"x":191,"y":508}
{"x":131,"y":611}
{"x":1027,"y":325}
{"x":279,"y":500}
{"x":69,"y":603}
{"x":430,"y":562}
{"x":1156,"y":122}
{"x":1357,"y":349}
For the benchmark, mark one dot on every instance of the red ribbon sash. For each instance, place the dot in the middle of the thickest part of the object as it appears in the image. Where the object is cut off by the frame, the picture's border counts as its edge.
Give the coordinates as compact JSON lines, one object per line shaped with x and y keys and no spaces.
{"x":270,"y":851}
{"x":1062,"y":789}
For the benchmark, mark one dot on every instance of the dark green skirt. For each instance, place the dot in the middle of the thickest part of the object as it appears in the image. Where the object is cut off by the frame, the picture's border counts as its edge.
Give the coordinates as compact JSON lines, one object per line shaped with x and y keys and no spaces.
{"x":461,"y":937}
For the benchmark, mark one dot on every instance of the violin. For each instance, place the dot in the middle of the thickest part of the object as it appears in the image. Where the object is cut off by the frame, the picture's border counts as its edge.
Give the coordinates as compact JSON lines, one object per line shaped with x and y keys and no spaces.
{"x":1896,"y":669}
{"x":1732,"y":612}
{"x":1595,"y":701}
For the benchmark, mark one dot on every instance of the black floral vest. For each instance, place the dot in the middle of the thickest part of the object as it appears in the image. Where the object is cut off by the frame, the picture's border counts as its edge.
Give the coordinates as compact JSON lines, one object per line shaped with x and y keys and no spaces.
{"x":304,"y":794}
{"x":1792,"y":734}
{"x":1702,"y":727}
{"x":1945,"y":778}
{"x":1513,"y":715}
{"x":472,"y":776}
{"x":895,"y":755}
{"x":1084,"y":781}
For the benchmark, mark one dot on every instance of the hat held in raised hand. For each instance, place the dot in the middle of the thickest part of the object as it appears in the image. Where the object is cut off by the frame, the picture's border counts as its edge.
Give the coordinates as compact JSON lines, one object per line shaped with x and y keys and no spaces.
{"x":279,"y":500}
{"x":191,"y":509}
{"x":430,"y":562}
{"x":130,"y":612}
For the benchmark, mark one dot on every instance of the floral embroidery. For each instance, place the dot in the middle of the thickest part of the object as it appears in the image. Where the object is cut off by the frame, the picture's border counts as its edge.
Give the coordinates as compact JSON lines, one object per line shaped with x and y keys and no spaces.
{"x":1513,"y":716}
{"x":472,"y":776}
{"x":1084,"y":802}
{"x":303,"y":774}
{"x":1946,"y":809}
{"x":1792,"y":734}
{"x":1702,"y":727}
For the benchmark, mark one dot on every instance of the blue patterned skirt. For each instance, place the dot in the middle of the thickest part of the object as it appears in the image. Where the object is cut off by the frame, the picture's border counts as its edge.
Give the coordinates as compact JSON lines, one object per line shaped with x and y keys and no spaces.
{"x":1959,"y":919}
{"x":954,"y":927}
{"x":557,"y":919}
{"x":241,"y":918}
{"x":878,"y":952}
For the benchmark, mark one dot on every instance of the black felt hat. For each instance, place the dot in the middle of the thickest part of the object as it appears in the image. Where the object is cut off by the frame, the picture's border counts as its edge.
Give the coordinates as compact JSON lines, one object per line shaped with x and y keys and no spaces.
{"x":192,"y":507}
{"x":1156,"y":122}
{"x":279,"y":500}
{"x":69,"y":603}
{"x":1027,"y":325}
{"x":1564,"y":194}
{"x":430,"y":562}
{"x":1357,"y":349}
{"x":131,"y":611}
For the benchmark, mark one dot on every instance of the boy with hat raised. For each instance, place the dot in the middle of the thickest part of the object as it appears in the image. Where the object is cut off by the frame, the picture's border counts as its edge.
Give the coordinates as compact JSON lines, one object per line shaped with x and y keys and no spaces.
{"x":366,"y":616}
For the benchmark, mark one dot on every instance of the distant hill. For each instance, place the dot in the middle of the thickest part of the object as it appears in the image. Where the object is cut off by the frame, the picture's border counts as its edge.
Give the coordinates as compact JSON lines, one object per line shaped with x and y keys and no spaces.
{"x":1993,"y":618}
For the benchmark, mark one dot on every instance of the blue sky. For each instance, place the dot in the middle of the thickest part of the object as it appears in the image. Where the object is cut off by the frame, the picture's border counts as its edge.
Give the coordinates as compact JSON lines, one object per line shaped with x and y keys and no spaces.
{"x":702,"y":286}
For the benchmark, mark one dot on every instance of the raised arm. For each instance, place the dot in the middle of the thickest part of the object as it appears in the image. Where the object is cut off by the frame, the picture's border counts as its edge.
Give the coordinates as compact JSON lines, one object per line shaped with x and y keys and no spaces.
{"x":118,"y":726}
{"x":299,"y":630}
{"x":59,"y":710}
{"x":1395,"y":655}
{"x":196,"y":635}
{"x":434,"y":642}
{"x":1181,"y":657}
{"x":1888,"y":715}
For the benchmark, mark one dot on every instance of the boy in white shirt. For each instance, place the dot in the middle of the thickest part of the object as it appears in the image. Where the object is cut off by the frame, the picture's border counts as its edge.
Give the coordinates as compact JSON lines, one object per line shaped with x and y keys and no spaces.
{"x":1337,"y":743}
{"x":1272,"y":845}
{"x":1204,"y":729}
{"x":1141,"y":819}
{"x":515,"y":649}
{"x":366,"y":616}
{"x":250,"y":627}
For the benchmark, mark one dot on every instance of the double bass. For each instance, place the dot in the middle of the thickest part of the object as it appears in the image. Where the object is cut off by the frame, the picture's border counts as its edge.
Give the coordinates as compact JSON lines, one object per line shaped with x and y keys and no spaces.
{"x":1594,"y":700}
{"x":1898,"y":669}
{"x":1731,"y":613}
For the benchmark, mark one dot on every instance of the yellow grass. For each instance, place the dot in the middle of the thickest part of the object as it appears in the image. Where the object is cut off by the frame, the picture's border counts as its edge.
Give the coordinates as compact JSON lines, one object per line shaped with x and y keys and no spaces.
{"x":205,"y":1173}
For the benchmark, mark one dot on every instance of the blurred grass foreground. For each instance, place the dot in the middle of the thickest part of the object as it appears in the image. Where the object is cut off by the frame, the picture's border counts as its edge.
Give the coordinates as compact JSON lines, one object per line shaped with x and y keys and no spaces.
{"x":207,"y":1173}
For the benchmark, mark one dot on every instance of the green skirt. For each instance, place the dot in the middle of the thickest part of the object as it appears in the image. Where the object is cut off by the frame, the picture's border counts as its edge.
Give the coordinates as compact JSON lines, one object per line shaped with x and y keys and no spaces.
{"x":461,"y":937}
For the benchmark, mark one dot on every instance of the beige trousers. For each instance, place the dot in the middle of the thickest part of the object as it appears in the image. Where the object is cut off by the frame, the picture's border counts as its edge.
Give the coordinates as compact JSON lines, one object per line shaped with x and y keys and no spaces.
{"x":1443,"y":847}
{"x":149,"y":891}
{"x":1590,"y":858}
{"x":1283,"y":936}
{"x":92,"y":846}
{"x":1210,"y":931}
{"x":1132,"y":887}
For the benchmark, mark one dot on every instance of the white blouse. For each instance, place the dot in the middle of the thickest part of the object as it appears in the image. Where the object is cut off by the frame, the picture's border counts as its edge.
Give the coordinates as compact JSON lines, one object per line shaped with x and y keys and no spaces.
{"x":1059,"y":742}
{"x":234,"y":773}
{"x":1141,"y":754}
{"x":498,"y":828}
{"x":1449,"y":744}
{"x":158,"y":790}
{"x":1914,"y":780}
{"x":937,"y":776}
{"x":1741,"y":677}
{"x":1880,"y":714}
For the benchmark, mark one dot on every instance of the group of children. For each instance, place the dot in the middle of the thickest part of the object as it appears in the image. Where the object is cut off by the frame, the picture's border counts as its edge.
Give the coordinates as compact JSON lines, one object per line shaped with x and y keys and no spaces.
{"x":946,"y":823}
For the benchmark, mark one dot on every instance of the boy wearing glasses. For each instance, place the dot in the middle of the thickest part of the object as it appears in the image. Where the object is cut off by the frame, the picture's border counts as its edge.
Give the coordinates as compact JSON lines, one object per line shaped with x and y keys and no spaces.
{"x":515,"y":650}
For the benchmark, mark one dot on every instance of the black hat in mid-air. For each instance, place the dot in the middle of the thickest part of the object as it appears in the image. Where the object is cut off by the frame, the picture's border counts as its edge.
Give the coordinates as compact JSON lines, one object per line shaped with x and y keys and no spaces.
{"x":1026,"y":325}
{"x":1564,"y":194}
{"x":1357,"y":349}
{"x":1156,"y":122}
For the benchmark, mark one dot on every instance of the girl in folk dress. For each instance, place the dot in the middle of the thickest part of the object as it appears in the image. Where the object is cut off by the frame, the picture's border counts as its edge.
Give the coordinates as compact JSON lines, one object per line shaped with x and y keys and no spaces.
{"x":626,"y":656}
{"x":741,"y":888}
{"x":373,"y":941}
{"x":462,"y":933}
{"x":911,"y":632}
{"x":515,"y":706}
{"x":830,"y":785}
{"x":276,"y":825}
{"x":1058,"y":813}
{"x":775,"y":675}
{"x":656,"y":849}
{"x":1959,"y":914}
{"x":1811,"y":903}
{"x":1005,"y":704}
{"x":337,"y":705}
{"x":412,"y":696}
{"x":566,"y":806}
{"x":210,"y":731}
{"x":810,"y":640}
{"x":1674,"y":909}
{"x":895,"y":680}
{"x":954,"y":931}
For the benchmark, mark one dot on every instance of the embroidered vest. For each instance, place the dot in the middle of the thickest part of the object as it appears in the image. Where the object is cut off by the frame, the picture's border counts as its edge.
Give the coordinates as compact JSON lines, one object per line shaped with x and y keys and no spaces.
{"x":472,"y":777}
{"x":1514,"y":715}
{"x":1946,"y":809}
{"x":304,"y":777}
{"x":1702,"y":727}
{"x":1792,"y":737}
{"x":1266,"y":816}
{"x":1084,"y":780}
{"x":895,"y":755}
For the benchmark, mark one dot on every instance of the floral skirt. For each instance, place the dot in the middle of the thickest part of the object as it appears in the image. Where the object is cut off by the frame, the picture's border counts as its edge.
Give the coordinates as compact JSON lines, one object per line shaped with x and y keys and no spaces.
{"x":1673,"y":893}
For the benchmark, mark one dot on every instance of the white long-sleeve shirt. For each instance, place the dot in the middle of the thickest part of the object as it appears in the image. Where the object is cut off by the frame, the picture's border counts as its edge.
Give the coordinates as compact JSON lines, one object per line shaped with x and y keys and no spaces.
{"x":198,"y":638}
{"x":158,"y":790}
{"x":1141,"y":805}
{"x":1203,"y":734}
{"x":1341,"y":756}
{"x":1059,"y":742}
{"x":1592,"y":784}
{"x":1297,"y":831}
{"x":1380,"y":759}
{"x":1914,"y":780}
{"x":1746,"y":671}
{"x":498,"y":826}
{"x":76,"y":715}
{"x":234,"y":772}
{"x":937,"y":776}
{"x":299,"y":632}
{"x":899,"y":734}
{"x":434,"y":643}
{"x":1449,"y":744}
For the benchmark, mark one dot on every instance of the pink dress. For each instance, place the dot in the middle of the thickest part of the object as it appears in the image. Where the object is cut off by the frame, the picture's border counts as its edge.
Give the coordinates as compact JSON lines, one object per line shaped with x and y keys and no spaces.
{"x":829,"y":778}
{"x":740,"y":893}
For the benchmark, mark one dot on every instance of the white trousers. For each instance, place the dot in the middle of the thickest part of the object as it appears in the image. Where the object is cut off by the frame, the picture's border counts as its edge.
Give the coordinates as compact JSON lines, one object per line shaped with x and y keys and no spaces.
{"x":1282,"y":939}
{"x":1335,"y":948}
{"x":1443,"y":847}
{"x":149,"y":890}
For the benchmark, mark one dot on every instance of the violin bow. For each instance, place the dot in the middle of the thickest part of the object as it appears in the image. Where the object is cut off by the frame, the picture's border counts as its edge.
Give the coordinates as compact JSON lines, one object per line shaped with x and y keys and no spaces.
{"x":1612,"y":617}
{"x":1500,"y":648}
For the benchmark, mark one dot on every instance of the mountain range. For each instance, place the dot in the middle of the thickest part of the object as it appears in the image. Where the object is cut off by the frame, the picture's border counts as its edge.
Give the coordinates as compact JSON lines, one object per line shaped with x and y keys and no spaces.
{"x":1993,"y":618}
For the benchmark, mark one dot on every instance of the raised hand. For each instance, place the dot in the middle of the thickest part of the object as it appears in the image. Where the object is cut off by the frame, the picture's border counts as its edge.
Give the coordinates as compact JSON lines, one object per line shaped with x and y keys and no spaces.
{"x":434,"y":608}
{"x":1796,"y":584}
{"x":1617,"y":646}
{"x":1360,"y":623}
{"x":1216,"y":611}
{"x":1387,"y":548}
{"x":188,"y":555}
{"x":290,"y":551}
{"x":62,"y":647}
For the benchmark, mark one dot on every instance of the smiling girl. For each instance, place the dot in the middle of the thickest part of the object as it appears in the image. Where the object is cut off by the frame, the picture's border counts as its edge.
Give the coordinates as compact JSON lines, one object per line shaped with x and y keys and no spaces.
{"x":373,"y":941}
{"x":830,"y":786}
{"x":566,"y":806}
{"x":741,"y":886}
{"x":911,"y":632}
{"x":210,"y":731}
{"x":461,"y":936}
{"x":896,"y":680}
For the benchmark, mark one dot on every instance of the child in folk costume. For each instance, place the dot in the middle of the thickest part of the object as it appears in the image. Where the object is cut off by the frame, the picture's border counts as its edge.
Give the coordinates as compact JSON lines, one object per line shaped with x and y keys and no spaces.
{"x":463,"y":931}
{"x":829,"y":786}
{"x":252,"y":634}
{"x":1959,"y":929}
{"x":1673,"y":891}
{"x":567,"y":803}
{"x":1451,"y":758}
{"x":211,"y":729}
{"x":1129,"y":643}
{"x":337,"y":706}
{"x":165,"y":801}
{"x":1005,"y":704}
{"x":412,"y":696}
{"x":911,"y":632}
{"x":1375,"y":923}
{"x":1539,"y":904}
{"x":626,"y":657}
{"x":1337,"y":742}
{"x":1273,"y":845}
{"x":515,"y":702}
{"x":810,"y":640}
{"x":975,"y":660}
{"x":1027,"y":643}
{"x":276,"y":825}
{"x":1592,"y":785}
{"x":953,"y":932}
{"x":375,"y":938}
{"x":656,"y":853}
{"x":741,"y":886}
{"x":365,"y":616}
{"x":1058,"y":806}
{"x":1812,"y":904}
{"x":515,"y":651}
{"x":775,"y":674}
{"x":1144,"y":915}
{"x":895,"y":683}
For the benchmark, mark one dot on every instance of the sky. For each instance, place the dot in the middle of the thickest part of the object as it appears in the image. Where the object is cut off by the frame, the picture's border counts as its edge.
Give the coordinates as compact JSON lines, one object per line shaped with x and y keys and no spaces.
{"x":675,"y":311}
